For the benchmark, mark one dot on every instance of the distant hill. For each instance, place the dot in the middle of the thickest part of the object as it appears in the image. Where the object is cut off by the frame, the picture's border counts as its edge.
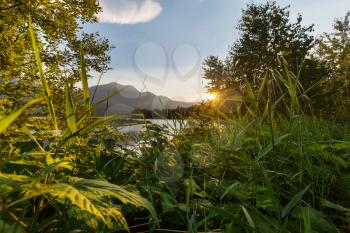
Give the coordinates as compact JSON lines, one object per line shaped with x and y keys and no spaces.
{"x":128,"y":99}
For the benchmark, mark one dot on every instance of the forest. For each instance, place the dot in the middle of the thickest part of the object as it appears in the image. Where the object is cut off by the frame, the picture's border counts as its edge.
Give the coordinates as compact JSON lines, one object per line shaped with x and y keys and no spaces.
{"x":269,"y":152}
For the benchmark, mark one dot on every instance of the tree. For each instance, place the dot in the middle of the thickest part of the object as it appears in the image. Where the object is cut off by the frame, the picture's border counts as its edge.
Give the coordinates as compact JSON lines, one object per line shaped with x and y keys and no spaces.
{"x":59,"y":34}
{"x":214,"y":70}
{"x":267,"y":36}
{"x":266,"y":32}
{"x":334,"y":49}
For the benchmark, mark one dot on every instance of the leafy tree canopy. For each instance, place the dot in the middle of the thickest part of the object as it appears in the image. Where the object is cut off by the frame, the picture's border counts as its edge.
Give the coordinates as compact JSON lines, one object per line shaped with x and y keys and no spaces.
{"x":265,"y":31}
{"x":266,"y":34}
{"x":58,"y":25}
{"x":58,"y":28}
{"x":334,"y":49}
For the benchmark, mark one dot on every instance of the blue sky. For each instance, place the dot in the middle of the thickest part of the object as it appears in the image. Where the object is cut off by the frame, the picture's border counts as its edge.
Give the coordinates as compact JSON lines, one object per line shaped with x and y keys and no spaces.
{"x":161,"y":44}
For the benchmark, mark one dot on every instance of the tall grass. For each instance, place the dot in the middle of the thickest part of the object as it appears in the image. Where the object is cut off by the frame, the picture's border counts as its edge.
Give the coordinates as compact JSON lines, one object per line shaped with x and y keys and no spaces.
{"x":270,"y":168}
{"x":46,"y":188}
{"x":45,"y":86}
{"x":266,"y":168}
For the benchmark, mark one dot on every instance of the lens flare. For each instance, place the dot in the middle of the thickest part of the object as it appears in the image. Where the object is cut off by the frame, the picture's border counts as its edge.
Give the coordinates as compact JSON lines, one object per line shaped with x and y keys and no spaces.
{"x":210,"y":96}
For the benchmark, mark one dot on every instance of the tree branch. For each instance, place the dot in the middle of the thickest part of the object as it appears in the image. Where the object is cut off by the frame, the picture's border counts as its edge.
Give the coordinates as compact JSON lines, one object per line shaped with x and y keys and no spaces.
{"x":10,"y":7}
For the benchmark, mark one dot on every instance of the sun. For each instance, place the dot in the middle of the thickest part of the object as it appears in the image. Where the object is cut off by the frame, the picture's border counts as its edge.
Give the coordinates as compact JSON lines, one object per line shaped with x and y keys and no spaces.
{"x":210,"y":96}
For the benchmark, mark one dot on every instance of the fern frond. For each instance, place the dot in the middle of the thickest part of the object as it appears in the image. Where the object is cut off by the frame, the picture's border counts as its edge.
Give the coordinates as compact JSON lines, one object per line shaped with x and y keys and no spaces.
{"x":60,"y":192}
{"x":64,"y":164}
{"x":105,"y":188}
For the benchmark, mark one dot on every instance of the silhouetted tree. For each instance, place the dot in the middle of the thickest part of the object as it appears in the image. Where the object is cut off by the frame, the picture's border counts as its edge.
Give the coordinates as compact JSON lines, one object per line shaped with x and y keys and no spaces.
{"x":334,"y":49}
{"x":266,"y":35}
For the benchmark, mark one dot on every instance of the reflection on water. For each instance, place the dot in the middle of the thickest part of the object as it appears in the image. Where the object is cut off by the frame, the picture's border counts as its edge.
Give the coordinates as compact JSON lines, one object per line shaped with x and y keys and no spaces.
{"x":134,"y":142}
{"x":172,"y":125}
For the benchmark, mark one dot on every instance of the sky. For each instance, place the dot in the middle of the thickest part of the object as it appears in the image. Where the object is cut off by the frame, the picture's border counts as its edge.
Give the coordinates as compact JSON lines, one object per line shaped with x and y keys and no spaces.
{"x":161,"y":44}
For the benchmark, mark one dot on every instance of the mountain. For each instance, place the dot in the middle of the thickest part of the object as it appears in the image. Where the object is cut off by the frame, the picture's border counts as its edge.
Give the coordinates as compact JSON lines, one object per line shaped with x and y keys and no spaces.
{"x":128,"y":99}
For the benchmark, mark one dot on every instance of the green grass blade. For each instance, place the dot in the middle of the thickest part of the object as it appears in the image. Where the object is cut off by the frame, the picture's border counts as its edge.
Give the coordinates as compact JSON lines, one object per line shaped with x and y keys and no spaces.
{"x":106,"y":98}
{"x":263,"y":84}
{"x":49,"y":158}
{"x":89,"y":128}
{"x":250,"y":91}
{"x":316,"y":221}
{"x":292,"y":203}
{"x":270,"y":147}
{"x":70,"y":113}
{"x":4,"y":123}
{"x":334,"y":206}
{"x":26,"y":131}
{"x":83,"y":77}
{"x":248,"y":217}
{"x":47,"y":91}
{"x":229,"y":188}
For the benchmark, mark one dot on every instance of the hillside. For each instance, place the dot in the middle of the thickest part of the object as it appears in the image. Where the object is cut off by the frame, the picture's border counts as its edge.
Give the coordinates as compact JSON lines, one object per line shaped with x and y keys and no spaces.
{"x":128,"y":99}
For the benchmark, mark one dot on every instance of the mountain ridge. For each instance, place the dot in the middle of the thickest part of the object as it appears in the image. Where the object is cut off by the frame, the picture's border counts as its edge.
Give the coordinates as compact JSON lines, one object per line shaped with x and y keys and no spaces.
{"x":128,"y":99}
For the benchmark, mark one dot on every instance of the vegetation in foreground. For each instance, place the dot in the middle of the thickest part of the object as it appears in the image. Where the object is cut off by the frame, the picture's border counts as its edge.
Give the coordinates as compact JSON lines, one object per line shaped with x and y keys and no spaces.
{"x":271,"y":166}
{"x":250,"y":173}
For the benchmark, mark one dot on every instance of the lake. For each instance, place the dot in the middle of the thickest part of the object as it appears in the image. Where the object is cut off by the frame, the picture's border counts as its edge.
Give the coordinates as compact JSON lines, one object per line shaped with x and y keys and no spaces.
{"x":172,"y":125}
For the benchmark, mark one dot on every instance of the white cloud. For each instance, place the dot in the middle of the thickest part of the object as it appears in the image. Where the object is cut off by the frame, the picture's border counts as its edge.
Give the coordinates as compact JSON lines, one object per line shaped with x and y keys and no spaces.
{"x":129,"y":11}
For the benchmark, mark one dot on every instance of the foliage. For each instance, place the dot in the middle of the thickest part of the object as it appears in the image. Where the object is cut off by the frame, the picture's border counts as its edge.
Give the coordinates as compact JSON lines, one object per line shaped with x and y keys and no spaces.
{"x":269,"y":167}
{"x":267,"y":35}
{"x":58,"y":25}
{"x":265,"y":32}
{"x":47,"y":188}
{"x":334,"y":49}
{"x":254,"y":172}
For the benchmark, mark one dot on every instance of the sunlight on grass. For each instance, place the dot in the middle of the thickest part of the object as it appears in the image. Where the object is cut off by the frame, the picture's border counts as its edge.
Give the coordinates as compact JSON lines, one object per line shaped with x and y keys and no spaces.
{"x":266,"y":150}
{"x":211,"y":96}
